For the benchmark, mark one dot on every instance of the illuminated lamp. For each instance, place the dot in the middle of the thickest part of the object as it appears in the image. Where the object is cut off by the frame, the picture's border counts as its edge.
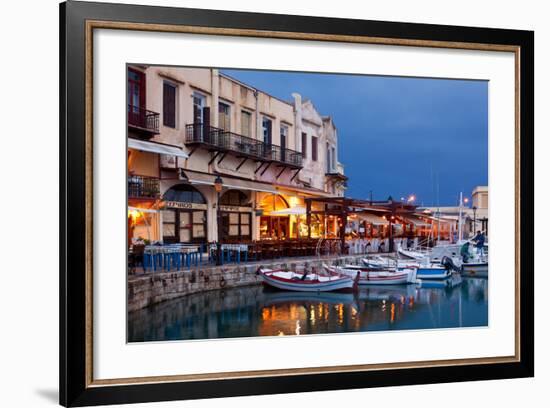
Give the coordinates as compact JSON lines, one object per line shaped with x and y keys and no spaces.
{"x":218,"y":184}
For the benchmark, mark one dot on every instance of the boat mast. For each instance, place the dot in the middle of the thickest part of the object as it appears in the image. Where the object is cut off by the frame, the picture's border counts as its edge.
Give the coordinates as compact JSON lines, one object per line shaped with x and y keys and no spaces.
{"x":460,"y":219}
{"x":438,"y":209}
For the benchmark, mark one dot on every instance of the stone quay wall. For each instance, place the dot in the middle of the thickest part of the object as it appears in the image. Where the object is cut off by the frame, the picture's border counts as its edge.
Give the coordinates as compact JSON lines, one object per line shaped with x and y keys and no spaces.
{"x":151,"y":288}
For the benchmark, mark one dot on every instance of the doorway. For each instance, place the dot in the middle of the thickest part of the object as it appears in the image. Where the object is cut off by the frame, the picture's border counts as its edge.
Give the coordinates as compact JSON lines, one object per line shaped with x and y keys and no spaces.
{"x":184,"y":226}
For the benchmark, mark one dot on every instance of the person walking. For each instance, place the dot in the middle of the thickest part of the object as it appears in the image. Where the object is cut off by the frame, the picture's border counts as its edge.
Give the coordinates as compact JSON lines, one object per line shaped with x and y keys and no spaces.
{"x":479,"y":240}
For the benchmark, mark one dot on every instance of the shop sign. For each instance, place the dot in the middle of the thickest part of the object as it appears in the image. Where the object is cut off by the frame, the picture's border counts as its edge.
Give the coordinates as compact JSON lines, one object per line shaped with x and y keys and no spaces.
{"x":189,"y":206}
{"x":234,"y":208}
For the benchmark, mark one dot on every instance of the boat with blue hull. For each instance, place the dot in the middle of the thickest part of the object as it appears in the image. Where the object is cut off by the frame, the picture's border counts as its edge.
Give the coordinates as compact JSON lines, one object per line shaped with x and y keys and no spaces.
{"x":424,"y":269}
{"x":432,"y":272}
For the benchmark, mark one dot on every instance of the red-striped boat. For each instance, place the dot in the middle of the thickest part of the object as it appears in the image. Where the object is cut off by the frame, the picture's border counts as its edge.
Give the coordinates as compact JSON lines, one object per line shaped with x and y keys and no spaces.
{"x":374,"y":277}
{"x":302,"y":282}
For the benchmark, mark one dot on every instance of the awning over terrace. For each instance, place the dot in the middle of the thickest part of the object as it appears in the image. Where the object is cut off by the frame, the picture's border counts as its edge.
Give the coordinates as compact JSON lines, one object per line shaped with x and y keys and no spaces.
{"x":153,"y":147}
{"x":229,"y":182}
{"x":372,"y":219}
{"x":417,"y":222}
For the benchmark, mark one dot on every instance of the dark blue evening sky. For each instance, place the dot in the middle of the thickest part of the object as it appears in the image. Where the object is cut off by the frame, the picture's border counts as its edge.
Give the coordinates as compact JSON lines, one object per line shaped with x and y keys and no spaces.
{"x":397,"y":136}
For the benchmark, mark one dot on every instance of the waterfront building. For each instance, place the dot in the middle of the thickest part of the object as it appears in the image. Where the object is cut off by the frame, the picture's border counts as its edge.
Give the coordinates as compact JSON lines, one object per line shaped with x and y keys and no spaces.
{"x":475,"y":216}
{"x":192,"y":128}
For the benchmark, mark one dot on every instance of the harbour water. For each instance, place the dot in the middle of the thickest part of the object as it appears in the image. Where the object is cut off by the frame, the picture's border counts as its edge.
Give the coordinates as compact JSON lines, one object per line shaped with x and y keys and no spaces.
{"x":258,"y":311}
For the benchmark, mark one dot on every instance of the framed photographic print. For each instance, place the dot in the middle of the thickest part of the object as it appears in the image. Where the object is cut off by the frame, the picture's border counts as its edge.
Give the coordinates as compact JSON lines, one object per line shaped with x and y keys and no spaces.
{"x":256,"y":204}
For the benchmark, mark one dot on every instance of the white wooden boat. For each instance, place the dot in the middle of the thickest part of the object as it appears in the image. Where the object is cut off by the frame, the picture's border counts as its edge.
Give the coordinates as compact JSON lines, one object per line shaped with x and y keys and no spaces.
{"x":477,"y":265}
{"x":424,"y":268}
{"x":408,"y":254}
{"x":374,"y":277}
{"x":476,"y":269}
{"x":379,"y":262}
{"x":300,"y":282}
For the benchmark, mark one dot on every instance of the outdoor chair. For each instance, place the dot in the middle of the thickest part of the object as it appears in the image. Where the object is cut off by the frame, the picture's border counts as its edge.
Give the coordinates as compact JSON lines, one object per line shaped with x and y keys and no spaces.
{"x":253,"y":251}
{"x":277,"y":250}
{"x":136,"y":257}
{"x":267,"y":250}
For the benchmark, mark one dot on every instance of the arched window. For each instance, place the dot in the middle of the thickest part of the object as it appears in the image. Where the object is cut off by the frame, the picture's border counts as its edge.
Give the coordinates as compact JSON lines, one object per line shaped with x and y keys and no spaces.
{"x":236,"y":198}
{"x":274,"y":227}
{"x":184,"y":193}
{"x":186,"y":224}
{"x":273,"y":202}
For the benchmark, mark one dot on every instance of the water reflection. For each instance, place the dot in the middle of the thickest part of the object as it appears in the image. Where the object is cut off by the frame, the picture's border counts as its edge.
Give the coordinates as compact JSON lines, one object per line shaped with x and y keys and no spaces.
{"x":258,"y":311}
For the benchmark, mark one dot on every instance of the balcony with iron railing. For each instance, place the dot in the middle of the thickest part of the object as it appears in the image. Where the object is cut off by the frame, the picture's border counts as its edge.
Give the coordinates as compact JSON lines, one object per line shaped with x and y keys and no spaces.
{"x":143,"y":121}
{"x":223,"y":140}
{"x":337,"y":175}
{"x":143,"y":187}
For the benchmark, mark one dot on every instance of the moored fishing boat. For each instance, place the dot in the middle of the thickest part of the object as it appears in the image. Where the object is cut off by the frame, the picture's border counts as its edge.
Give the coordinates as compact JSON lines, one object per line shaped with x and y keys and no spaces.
{"x":425,"y":268}
{"x":477,"y":269}
{"x":432,"y":272}
{"x":305,"y":282}
{"x":409,"y":254}
{"x":477,"y":264}
{"x":374,"y":277}
{"x":379,"y":262}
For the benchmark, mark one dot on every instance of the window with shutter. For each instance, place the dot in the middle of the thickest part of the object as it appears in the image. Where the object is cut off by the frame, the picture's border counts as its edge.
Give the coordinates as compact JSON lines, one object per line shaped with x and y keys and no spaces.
{"x":313,"y":148}
{"x":284,"y":133}
{"x":304,"y":145}
{"x":224,"y":117}
{"x":266,"y":125}
{"x":169,"y":105}
{"x":136,"y":88}
{"x":245,"y":123}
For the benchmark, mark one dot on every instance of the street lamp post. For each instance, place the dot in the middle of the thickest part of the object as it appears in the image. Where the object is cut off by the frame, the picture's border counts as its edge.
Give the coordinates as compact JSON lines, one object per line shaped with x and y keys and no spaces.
{"x":484,"y":226}
{"x":390,"y":244}
{"x":218,"y":185}
{"x":474,"y":208}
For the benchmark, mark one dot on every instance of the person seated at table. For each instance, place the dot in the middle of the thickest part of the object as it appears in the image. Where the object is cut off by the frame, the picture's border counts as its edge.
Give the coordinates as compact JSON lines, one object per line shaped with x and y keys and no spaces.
{"x":367,"y":247}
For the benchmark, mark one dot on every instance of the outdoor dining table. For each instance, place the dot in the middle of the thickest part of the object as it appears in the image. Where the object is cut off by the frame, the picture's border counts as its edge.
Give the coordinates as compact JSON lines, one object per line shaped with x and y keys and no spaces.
{"x":228,"y":249}
{"x":166,"y":256}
